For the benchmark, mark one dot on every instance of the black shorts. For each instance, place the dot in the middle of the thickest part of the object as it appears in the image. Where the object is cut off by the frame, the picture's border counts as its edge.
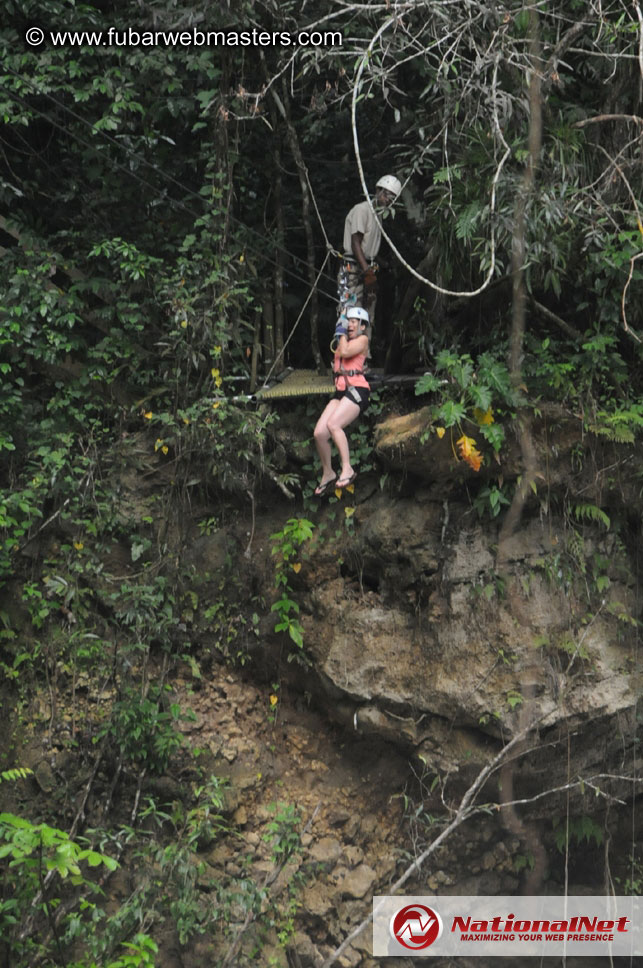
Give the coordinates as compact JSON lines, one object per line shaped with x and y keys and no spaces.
{"x":358,"y":395}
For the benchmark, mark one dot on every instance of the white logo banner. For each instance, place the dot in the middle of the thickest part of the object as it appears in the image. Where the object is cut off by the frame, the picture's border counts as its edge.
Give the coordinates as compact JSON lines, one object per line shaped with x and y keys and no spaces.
{"x":530,"y":927}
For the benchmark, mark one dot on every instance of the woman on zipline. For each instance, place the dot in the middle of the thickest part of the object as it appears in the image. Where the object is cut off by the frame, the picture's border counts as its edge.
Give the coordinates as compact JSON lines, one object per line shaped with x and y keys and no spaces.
{"x":349,"y":400}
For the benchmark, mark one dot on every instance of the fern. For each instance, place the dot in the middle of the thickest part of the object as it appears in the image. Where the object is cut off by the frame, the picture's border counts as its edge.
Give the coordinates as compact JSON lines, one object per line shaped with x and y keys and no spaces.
{"x":451,"y":173}
{"x":467,"y":221}
{"x":19,"y":773}
{"x":580,"y":829}
{"x":576,"y":548}
{"x":620,"y":425}
{"x":589,"y":512}
{"x":617,"y":434}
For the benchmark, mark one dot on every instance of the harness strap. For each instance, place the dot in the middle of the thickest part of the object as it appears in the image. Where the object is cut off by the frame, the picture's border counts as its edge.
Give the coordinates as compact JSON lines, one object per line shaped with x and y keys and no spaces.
{"x":341,"y":372}
{"x":350,"y":260}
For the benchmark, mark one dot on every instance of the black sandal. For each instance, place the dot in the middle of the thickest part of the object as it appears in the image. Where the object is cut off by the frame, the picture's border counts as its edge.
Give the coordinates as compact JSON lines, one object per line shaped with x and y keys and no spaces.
{"x":347,"y":481}
{"x":321,"y":489}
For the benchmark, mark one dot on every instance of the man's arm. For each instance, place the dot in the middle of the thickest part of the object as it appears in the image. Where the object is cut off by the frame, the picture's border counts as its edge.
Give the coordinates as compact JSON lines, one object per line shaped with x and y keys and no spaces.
{"x":370,"y":279}
{"x":358,"y":252}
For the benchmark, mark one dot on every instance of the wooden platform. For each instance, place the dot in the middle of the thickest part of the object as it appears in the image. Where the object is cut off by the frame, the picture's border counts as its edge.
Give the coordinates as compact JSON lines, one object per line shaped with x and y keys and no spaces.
{"x":303,"y":383}
{"x":296,"y":383}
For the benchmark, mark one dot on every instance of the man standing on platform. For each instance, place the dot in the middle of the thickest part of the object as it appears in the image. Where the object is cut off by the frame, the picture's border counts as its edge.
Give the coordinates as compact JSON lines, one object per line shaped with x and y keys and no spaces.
{"x":357,"y":276}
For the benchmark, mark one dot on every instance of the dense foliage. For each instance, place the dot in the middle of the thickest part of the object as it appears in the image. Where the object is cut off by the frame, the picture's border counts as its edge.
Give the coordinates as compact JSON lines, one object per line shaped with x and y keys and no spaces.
{"x":164,"y":210}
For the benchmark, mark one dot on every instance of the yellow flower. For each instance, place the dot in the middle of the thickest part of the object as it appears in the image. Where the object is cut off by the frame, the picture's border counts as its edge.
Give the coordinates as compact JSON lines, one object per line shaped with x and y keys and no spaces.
{"x":185,"y":421}
{"x":440,"y":431}
{"x":218,"y":382}
{"x":184,"y":324}
{"x":216,"y":404}
{"x":158,"y":443}
{"x":164,"y":449}
{"x":78,"y":545}
{"x":242,"y":258}
{"x":215,"y":373}
{"x":216,"y":350}
{"x":274,"y":700}
{"x":148,"y":415}
{"x":483,"y":417}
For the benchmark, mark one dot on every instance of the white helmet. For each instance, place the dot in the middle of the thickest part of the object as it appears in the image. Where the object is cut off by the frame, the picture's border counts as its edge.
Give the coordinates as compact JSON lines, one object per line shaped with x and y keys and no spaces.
{"x":390,"y":184}
{"x":356,"y":312}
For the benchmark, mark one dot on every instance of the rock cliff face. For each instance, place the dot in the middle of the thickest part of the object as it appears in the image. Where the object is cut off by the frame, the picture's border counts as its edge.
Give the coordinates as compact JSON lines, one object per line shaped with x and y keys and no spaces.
{"x":422,"y":640}
{"x":419,"y":638}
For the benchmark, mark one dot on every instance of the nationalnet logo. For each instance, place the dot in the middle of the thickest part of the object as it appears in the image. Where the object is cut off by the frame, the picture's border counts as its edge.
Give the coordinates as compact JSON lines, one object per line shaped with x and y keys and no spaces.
{"x":416,"y":926}
{"x":507,"y":926}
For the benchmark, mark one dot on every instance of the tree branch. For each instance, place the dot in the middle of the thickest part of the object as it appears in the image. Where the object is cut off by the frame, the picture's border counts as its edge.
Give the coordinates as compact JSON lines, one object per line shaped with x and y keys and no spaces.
{"x":599,"y":118}
{"x":553,"y":318}
{"x":563,"y":45}
{"x":465,"y":810}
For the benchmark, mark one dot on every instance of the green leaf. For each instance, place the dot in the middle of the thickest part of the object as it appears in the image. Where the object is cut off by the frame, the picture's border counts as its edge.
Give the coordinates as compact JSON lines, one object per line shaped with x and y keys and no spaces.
{"x":296,"y":634}
{"x":428,"y":383}
{"x":480,"y":396}
{"x":494,"y":434}
{"x":451,"y":413}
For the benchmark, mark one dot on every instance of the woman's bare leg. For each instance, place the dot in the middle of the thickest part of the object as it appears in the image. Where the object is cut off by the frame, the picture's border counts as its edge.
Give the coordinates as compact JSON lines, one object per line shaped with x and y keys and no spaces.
{"x":343,"y":415}
{"x":322,"y":441}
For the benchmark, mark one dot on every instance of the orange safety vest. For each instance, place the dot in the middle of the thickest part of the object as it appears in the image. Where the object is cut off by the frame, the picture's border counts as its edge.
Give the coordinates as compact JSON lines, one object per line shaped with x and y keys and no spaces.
{"x":350,"y":371}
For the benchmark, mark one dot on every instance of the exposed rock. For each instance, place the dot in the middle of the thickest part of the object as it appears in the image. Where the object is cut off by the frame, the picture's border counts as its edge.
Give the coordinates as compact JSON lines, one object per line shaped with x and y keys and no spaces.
{"x":44,"y":776}
{"x":356,"y":883}
{"x":409,"y":440}
{"x":339,"y":816}
{"x":240,"y":816}
{"x":444,"y":658}
{"x":316,"y":900}
{"x":327,"y":850}
{"x":308,"y":956}
{"x":354,"y":856}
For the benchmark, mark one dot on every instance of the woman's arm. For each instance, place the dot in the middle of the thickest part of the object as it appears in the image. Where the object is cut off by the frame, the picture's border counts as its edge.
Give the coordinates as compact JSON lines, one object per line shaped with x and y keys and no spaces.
{"x":347,"y":348}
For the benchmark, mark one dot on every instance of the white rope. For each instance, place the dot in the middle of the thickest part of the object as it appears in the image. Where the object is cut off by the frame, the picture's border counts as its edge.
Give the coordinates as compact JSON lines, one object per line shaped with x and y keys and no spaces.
{"x":356,"y":89}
